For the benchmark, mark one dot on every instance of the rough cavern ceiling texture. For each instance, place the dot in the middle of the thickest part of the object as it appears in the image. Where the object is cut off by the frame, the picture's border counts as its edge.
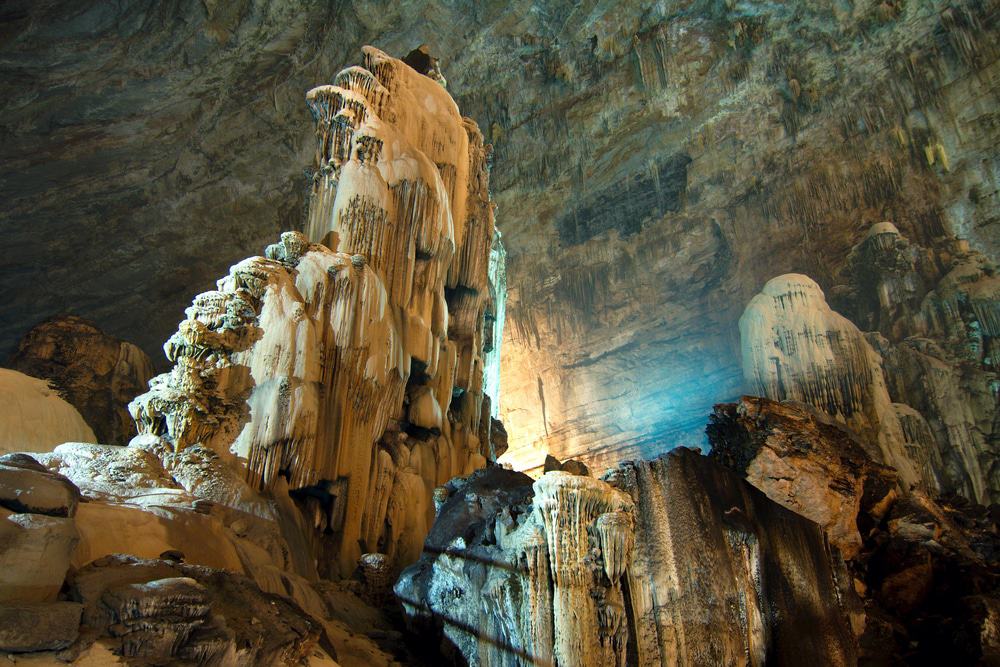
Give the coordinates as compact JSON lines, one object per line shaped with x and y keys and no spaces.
{"x":654,"y":165}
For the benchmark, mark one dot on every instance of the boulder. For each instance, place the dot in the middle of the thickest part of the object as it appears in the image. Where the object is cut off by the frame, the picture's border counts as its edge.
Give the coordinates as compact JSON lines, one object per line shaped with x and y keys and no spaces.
{"x":165,"y":612}
{"x":96,"y":373}
{"x":27,"y":486}
{"x":804,"y":461}
{"x":47,"y":626}
{"x":35,"y":552}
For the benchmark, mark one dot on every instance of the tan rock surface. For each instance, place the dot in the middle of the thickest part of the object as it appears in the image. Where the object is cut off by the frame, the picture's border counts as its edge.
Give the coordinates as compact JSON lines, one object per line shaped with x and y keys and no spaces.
{"x":34,"y":417}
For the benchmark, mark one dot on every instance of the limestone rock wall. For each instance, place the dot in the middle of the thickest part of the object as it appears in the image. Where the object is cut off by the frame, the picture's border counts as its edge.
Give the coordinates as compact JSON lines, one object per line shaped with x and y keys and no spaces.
{"x":920,"y":391}
{"x":353,"y":371}
{"x":931,"y":315}
{"x":795,"y":347}
{"x":673,"y":561}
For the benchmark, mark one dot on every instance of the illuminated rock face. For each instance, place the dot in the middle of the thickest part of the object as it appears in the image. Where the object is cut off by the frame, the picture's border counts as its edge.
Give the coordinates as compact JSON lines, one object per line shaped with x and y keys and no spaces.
{"x":919,"y":390}
{"x":35,"y":418}
{"x":673,"y":561}
{"x":803,"y":462}
{"x":795,"y":347}
{"x":354,"y":371}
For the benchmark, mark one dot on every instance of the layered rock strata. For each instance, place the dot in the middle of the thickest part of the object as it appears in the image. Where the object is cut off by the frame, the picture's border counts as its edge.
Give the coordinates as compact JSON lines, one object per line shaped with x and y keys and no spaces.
{"x":96,"y":373}
{"x":349,"y":365}
{"x":673,"y":561}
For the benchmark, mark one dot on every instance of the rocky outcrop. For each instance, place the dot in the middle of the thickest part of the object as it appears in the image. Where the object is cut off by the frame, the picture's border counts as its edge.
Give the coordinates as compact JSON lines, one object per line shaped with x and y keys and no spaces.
{"x":27,"y":486}
{"x":96,"y":373}
{"x":795,"y":347}
{"x":803,"y":460}
{"x":673,"y":561}
{"x":163,"y":611}
{"x":919,"y":390}
{"x":35,"y":418}
{"x":353,"y":372}
{"x":931,"y":312}
{"x":926,"y":568}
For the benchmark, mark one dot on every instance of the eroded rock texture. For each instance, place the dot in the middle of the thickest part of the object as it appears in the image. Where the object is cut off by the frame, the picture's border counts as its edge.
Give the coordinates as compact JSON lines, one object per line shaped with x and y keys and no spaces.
{"x":932,"y":315}
{"x":354,"y":371}
{"x":673,"y":561}
{"x":161,"y":611}
{"x":94,"y":372}
{"x":216,"y":573}
{"x":795,"y":347}
{"x":921,"y":391}
{"x":804,"y":462}
{"x":926,"y":568}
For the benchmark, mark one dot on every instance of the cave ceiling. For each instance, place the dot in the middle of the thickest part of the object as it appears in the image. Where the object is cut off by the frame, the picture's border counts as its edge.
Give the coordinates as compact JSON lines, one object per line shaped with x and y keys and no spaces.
{"x":653,"y":166}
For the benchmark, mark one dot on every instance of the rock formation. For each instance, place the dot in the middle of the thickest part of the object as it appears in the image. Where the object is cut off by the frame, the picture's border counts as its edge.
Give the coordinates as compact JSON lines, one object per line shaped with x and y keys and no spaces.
{"x":35,"y":418}
{"x":353,"y":371}
{"x":927,"y":569}
{"x":922,"y":384}
{"x":932,"y":313}
{"x":215,"y":572}
{"x":804,"y":461}
{"x":96,"y":373}
{"x":795,"y":347}
{"x":673,"y":561}
{"x":681,"y":153}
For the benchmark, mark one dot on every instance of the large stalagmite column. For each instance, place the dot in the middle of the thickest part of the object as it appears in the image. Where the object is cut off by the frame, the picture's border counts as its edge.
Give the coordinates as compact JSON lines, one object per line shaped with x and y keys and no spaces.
{"x":795,"y":347}
{"x":350,"y":360}
{"x":568,"y":506}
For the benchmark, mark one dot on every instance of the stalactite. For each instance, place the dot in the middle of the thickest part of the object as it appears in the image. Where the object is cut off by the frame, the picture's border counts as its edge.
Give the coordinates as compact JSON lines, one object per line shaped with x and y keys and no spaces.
{"x":675,"y":561}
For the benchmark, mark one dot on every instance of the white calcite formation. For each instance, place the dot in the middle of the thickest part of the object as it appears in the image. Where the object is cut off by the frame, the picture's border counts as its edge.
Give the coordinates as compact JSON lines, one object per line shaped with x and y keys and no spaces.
{"x":670,"y":562}
{"x":348,"y":363}
{"x":795,"y":347}
{"x":35,"y":418}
